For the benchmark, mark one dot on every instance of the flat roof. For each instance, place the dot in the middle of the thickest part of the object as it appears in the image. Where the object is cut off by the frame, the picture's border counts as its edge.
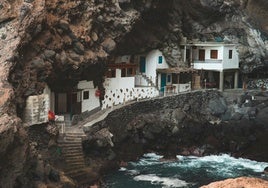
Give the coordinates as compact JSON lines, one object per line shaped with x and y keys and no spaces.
{"x":208,"y":44}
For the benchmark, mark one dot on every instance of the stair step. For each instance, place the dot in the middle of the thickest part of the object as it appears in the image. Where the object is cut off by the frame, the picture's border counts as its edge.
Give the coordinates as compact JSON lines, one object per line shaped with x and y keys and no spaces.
{"x":74,"y":160}
{"x":79,"y":165}
{"x":72,"y":146}
{"x":69,"y":143}
{"x":73,"y":155}
{"x":73,"y":163}
{"x":72,"y":138}
{"x":72,"y":150}
{"x":75,"y":134}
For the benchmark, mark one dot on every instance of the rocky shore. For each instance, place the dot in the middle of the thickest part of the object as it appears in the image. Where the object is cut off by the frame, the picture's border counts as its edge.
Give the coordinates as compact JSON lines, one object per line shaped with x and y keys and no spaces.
{"x":198,"y":123}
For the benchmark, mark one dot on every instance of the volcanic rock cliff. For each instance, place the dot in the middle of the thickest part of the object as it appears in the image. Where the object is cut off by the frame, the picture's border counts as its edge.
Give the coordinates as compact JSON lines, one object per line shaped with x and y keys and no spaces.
{"x":59,"y":42}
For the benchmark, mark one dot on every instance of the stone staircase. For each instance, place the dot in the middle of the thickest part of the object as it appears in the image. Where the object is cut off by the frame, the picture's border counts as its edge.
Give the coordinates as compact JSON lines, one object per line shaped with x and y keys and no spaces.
{"x":148,"y":80}
{"x":72,"y":152}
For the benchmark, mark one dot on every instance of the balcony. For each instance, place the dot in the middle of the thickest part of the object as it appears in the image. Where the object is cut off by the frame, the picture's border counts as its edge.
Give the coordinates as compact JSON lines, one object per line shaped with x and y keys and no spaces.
{"x":209,"y":64}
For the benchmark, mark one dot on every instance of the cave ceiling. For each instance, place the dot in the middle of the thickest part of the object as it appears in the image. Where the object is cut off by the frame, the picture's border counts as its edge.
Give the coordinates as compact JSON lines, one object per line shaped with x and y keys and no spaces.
{"x":61,"y":42}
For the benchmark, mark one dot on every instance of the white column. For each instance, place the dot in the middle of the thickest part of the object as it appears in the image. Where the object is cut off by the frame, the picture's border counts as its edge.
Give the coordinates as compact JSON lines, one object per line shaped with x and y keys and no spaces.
{"x":184,"y":54}
{"x":221,"y":80}
{"x":236,"y":80}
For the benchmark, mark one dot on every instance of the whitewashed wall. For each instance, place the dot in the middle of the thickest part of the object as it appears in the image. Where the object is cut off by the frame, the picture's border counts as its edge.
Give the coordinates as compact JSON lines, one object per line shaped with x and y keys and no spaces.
{"x":36,"y":110}
{"x":221,"y":63}
{"x":152,"y":64}
{"x":51,"y":98}
{"x":120,"y":96}
{"x":230,"y":63}
{"x":93,"y":101}
{"x":119,"y":82}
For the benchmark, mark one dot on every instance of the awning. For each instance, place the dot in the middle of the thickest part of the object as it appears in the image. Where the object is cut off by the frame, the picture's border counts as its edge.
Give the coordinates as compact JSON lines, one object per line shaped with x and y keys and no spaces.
{"x":177,"y":70}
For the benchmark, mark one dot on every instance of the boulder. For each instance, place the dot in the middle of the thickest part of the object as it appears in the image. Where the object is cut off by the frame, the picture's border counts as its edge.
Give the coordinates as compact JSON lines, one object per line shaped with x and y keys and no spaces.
{"x":261,"y":117}
{"x":217,"y":106}
{"x":54,"y":175}
{"x":244,"y":182}
{"x":265,"y":171}
{"x":79,"y":48}
{"x":108,"y":44}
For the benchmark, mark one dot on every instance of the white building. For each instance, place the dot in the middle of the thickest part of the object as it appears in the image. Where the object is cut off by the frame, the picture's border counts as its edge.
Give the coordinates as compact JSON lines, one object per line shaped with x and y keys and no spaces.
{"x":147,"y":71}
{"x":122,"y":83}
{"x":218,"y":60}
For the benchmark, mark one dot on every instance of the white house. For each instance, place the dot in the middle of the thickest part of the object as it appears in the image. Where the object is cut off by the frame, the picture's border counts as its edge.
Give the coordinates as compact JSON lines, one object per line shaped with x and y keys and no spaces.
{"x":148,"y":64}
{"x":219,"y":62}
{"x":89,"y":95}
{"x":153,"y":70}
{"x":121,"y":82}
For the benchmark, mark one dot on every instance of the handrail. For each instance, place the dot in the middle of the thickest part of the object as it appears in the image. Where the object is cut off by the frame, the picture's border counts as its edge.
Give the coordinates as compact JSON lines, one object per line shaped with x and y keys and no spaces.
{"x":209,"y":61}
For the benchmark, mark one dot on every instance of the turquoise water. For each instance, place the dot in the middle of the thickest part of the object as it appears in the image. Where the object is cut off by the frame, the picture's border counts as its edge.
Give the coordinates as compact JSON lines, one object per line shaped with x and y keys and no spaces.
{"x":188,"y":172}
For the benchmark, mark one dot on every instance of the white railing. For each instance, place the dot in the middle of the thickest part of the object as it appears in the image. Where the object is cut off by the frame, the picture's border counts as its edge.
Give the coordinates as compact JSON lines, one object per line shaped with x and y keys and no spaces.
{"x":140,"y":80}
{"x":209,"y":61}
{"x":59,"y":120}
{"x":176,"y":88}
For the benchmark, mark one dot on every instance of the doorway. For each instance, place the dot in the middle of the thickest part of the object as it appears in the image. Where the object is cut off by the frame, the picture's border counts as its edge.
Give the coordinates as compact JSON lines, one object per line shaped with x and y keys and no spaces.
{"x":201,"y":56}
{"x":142,"y":64}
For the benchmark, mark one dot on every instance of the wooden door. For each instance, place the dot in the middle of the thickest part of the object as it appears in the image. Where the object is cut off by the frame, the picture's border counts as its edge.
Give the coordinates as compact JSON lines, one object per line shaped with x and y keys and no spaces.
{"x":142,"y":64}
{"x":163,"y":82}
{"x":201,"y":56}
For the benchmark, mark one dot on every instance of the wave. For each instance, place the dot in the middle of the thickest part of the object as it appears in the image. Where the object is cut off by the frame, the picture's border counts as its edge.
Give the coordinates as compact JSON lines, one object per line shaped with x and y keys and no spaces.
{"x":163,"y":181}
{"x":221,"y":160}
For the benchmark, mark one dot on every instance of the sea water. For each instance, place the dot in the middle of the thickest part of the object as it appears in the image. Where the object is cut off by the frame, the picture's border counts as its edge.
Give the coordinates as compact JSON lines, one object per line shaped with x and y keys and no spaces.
{"x":188,"y":172}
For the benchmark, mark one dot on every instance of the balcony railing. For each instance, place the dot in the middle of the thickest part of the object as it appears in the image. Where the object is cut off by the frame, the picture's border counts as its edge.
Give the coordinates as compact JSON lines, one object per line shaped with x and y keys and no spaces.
{"x":209,"y":61}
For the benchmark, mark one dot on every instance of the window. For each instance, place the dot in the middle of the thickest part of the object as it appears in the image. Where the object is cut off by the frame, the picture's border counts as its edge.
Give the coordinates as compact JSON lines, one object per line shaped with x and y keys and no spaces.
{"x":85,"y":95}
{"x":214,"y":54}
{"x":168,"y":78}
{"x":130,"y":72}
{"x":230,"y":54}
{"x":160,"y":59}
{"x":123,"y":73}
{"x":110,"y":73}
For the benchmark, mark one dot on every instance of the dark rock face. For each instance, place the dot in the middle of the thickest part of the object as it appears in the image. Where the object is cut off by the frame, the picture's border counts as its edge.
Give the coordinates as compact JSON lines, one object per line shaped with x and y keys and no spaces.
{"x":168,"y":127}
{"x":62,"y":43}
{"x":59,"y":43}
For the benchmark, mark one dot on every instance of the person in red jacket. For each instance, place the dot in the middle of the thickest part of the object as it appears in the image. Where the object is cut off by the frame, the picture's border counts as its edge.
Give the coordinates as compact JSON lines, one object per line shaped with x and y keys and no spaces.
{"x":51,"y":116}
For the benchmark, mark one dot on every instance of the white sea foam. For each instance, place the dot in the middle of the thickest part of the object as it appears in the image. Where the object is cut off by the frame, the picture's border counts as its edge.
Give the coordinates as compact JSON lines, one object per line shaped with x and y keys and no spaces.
{"x":152,"y":156}
{"x":122,"y":169}
{"x":133,"y":172}
{"x":223,"y":163}
{"x":148,"y":160}
{"x":163,"y":181}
